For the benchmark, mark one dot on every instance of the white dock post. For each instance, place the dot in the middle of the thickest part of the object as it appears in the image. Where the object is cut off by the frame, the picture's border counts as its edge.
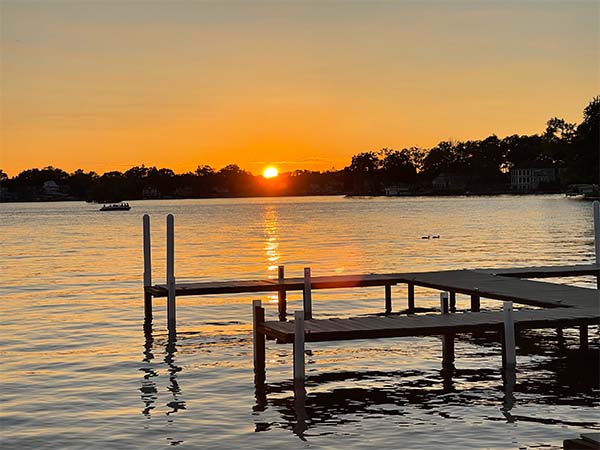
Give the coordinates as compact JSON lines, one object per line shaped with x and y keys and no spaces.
{"x":299,"y":349}
{"x":171,"y":309}
{"x":147,"y":269}
{"x":444,"y":303}
{"x":596,"y":207}
{"x":307,"y":298}
{"x":258,"y":316}
{"x":509,"y":353}
{"x":281,"y":294}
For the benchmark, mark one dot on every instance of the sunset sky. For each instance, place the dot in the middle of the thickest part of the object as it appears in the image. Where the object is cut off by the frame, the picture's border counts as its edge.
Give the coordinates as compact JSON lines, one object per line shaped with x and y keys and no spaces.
{"x":106,"y":85}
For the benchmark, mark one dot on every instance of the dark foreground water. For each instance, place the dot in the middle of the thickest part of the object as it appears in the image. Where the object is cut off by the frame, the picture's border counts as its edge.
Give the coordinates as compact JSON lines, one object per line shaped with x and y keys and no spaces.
{"x":79,"y":372}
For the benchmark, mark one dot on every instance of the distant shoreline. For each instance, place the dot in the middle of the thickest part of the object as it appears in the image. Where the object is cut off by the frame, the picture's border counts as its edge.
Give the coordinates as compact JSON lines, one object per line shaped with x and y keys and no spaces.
{"x":346,"y":195}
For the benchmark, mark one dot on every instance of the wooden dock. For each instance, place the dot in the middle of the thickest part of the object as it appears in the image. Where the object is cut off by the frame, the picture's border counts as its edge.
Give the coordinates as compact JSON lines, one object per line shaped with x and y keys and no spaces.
{"x":562,"y":305}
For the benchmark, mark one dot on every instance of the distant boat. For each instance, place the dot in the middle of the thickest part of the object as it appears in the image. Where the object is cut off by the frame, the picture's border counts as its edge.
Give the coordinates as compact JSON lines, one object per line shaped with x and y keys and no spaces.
{"x":116,"y":207}
{"x":583,"y":191}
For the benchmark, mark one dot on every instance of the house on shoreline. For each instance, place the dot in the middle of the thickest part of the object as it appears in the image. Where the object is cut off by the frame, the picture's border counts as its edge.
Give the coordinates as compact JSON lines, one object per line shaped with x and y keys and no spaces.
{"x":531,"y":176}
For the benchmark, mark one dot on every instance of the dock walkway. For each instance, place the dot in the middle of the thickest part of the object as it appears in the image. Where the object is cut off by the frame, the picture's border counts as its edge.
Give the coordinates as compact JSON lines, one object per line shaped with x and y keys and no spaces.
{"x":358,"y":280}
{"x":317,"y":330}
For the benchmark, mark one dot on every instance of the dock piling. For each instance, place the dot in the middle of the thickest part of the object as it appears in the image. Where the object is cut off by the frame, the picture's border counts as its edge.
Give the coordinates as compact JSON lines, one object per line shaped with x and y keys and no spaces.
{"x":475,"y":302}
{"x":281,"y":294}
{"x":147,"y":269}
{"x":171,"y":308}
{"x":452,"y":301}
{"x":583,"y":337}
{"x":444,"y":303}
{"x":299,"y":349}
{"x":411,"y":297}
{"x":258,"y":338}
{"x":448,"y":352}
{"x":307,"y":298}
{"x":388,"y":298}
{"x":509,"y":358}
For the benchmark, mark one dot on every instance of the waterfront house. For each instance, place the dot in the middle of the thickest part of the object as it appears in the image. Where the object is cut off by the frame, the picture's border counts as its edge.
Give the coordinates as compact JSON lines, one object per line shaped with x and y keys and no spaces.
{"x":529,"y":177}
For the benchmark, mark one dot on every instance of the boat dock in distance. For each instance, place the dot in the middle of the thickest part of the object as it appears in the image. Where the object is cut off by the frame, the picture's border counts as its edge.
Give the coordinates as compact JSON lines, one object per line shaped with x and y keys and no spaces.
{"x":561,"y":305}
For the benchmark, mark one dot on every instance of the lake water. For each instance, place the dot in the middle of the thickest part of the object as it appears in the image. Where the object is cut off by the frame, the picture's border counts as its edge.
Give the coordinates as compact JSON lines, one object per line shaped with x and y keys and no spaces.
{"x":78,"y":370}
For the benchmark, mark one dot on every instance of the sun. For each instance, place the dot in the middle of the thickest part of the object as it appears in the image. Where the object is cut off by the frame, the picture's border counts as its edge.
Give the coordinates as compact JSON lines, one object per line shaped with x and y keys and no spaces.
{"x":270,"y":172}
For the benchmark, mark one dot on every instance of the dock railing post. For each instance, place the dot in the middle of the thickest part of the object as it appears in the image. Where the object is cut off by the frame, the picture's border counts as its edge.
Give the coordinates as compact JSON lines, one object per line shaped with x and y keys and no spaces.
{"x":298,"y":349}
{"x":147,"y":269}
{"x":171,"y":309}
{"x":281,"y":294}
{"x":509,"y":359}
{"x":258,"y":338}
{"x":307,"y":297}
{"x":444,"y":303}
{"x":596,"y":207}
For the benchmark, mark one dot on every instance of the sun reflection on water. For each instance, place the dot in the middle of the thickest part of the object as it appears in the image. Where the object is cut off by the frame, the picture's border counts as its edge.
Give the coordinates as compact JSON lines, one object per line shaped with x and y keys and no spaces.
{"x":271,"y":232}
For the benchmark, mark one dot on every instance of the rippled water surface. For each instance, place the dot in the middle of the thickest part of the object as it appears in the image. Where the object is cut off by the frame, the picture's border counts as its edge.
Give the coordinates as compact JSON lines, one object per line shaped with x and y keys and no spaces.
{"x":79,"y":371}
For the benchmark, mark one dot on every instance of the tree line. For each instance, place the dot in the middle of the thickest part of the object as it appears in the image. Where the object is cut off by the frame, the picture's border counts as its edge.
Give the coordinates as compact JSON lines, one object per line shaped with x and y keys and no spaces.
{"x":482,"y":165}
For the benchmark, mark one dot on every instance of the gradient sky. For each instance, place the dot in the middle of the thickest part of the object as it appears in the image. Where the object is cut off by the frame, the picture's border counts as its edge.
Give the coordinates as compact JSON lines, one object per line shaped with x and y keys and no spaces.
{"x":105,"y":85}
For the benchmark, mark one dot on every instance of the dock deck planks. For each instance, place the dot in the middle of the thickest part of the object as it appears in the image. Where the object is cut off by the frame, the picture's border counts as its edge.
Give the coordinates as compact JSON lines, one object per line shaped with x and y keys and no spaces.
{"x":366,"y":280}
{"x":425,"y":325}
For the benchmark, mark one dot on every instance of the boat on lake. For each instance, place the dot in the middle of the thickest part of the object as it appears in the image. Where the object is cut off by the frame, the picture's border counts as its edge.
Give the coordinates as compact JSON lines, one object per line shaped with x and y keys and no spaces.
{"x":116,"y":207}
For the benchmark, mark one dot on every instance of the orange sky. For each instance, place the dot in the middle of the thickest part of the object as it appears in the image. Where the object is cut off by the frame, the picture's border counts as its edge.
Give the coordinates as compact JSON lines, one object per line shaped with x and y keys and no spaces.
{"x":107,"y":85}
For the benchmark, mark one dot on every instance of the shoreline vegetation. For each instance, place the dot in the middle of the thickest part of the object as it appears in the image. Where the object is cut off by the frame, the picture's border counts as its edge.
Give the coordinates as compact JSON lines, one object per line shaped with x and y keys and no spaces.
{"x":565,"y":154}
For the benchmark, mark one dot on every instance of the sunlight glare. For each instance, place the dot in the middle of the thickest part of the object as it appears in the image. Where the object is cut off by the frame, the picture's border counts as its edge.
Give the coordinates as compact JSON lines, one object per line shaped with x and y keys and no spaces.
{"x":270,"y":172}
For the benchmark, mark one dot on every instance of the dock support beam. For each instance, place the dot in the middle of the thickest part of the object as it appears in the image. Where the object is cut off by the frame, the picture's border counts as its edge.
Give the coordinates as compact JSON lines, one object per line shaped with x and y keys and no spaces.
{"x":299,"y":350}
{"x":388,"y":299}
{"x":453,"y":302}
{"x":147,"y":269}
{"x":307,"y":298}
{"x":475,"y":302}
{"x":258,"y":338}
{"x":596,"y":206}
{"x":411,"y":297}
{"x":281,"y":294}
{"x":171,"y":309}
{"x":509,"y":357}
